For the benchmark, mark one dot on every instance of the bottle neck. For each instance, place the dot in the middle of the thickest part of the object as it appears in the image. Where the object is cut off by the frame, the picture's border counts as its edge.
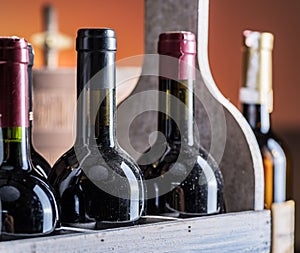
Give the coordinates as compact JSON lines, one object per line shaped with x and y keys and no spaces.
{"x":256,"y":93}
{"x":257,"y":71}
{"x":96,"y":98}
{"x":29,"y":135}
{"x":258,"y":117}
{"x":176,"y":112}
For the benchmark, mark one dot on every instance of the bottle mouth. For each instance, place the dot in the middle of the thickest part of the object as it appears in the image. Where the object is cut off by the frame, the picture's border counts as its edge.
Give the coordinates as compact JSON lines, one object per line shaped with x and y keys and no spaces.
{"x":96,"y":39}
{"x":12,"y":42}
{"x":258,"y":40}
{"x":13,"y":49}
{"x":177,"y":35}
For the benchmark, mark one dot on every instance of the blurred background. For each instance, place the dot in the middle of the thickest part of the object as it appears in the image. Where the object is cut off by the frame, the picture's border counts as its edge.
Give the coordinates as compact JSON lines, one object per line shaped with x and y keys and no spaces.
{"x":227,"y":21}
{"x":24,"y":18}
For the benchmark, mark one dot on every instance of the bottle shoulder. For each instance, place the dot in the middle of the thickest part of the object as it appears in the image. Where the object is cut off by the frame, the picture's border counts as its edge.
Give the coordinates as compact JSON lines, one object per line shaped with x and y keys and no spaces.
{"x":90,"y":162}
{"x":270,"y":142}
{"x":28,"y":179}
{"x":40,"y":162}
{"x":6,"y":167}
{"x":110,"y":156}
{"x":89,"y":180}
{"x":190,"y":158}
{"x":181,"y":181}
{"x":62,"y":167}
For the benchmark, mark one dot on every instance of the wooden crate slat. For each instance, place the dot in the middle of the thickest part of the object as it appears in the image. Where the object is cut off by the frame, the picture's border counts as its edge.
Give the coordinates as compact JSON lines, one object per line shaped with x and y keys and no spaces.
{"x":233,"y":232}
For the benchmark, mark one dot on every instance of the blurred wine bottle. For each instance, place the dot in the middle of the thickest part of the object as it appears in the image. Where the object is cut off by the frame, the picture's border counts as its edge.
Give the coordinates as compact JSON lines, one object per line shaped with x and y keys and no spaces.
{"x":50,"y":40}
{"x":256,"y":97}
{"x":54,"y":89}
{"x":37,"y":159}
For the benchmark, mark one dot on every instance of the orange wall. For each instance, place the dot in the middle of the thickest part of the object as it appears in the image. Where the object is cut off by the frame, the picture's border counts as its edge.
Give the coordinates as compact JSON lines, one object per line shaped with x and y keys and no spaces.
{"x":228,"y":18}
{"x":24,"y":18}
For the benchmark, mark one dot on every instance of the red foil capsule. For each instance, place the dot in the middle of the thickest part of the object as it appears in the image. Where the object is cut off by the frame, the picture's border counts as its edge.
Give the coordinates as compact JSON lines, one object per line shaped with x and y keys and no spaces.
{"x":13,"y":82}
{"x":181,"y":48}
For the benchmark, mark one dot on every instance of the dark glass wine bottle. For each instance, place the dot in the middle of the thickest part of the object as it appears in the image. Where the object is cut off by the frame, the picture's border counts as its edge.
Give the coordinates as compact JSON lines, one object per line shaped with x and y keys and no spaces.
{"x":256,"y":97}
{"x":29,"y":206}
{"x":184,"y":181}
{"x":98,"y":183}
{"x":38,"y":161}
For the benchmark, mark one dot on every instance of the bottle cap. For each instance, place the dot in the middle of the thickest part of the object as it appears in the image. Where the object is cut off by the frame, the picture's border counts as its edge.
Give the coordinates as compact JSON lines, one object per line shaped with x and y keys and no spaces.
{"x":13,"y":49}
{"x":96,"y":39}
{"x":96,"y":49}
{"x":257,"y":80}
{"x":177,"y":43}
{"x":258,"y":40}
{"x":13,"y":82}
{"x":177,"y":50}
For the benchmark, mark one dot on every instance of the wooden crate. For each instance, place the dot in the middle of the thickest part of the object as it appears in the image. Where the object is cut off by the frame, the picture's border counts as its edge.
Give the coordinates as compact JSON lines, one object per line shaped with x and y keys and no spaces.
{"x":246,"y":227}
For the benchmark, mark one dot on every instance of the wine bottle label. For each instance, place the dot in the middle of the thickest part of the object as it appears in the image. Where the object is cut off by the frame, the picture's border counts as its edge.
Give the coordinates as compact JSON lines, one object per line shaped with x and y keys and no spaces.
{"x":253,"y":96}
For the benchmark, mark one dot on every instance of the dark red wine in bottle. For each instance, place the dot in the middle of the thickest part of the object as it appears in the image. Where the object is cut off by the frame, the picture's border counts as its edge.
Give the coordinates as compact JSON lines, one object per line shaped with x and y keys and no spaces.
{"x":98,"y":183}
{"x":29,"y":207}
{"x":184,"y":180}
{"x":38,"y":161}
{"x":256,"y":97}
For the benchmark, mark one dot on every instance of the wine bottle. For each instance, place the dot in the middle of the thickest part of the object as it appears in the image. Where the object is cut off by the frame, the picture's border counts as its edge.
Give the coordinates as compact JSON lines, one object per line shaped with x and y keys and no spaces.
{"x":38,"y":161}
{"x":98,"y":183}
{"x":256,"y":96}
{"x":28,"y":203}
{"x":185,"y":180}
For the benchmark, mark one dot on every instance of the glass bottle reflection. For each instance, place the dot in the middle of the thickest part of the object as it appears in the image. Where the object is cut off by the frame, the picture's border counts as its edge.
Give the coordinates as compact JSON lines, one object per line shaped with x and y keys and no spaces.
{"x":256,"y":97}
